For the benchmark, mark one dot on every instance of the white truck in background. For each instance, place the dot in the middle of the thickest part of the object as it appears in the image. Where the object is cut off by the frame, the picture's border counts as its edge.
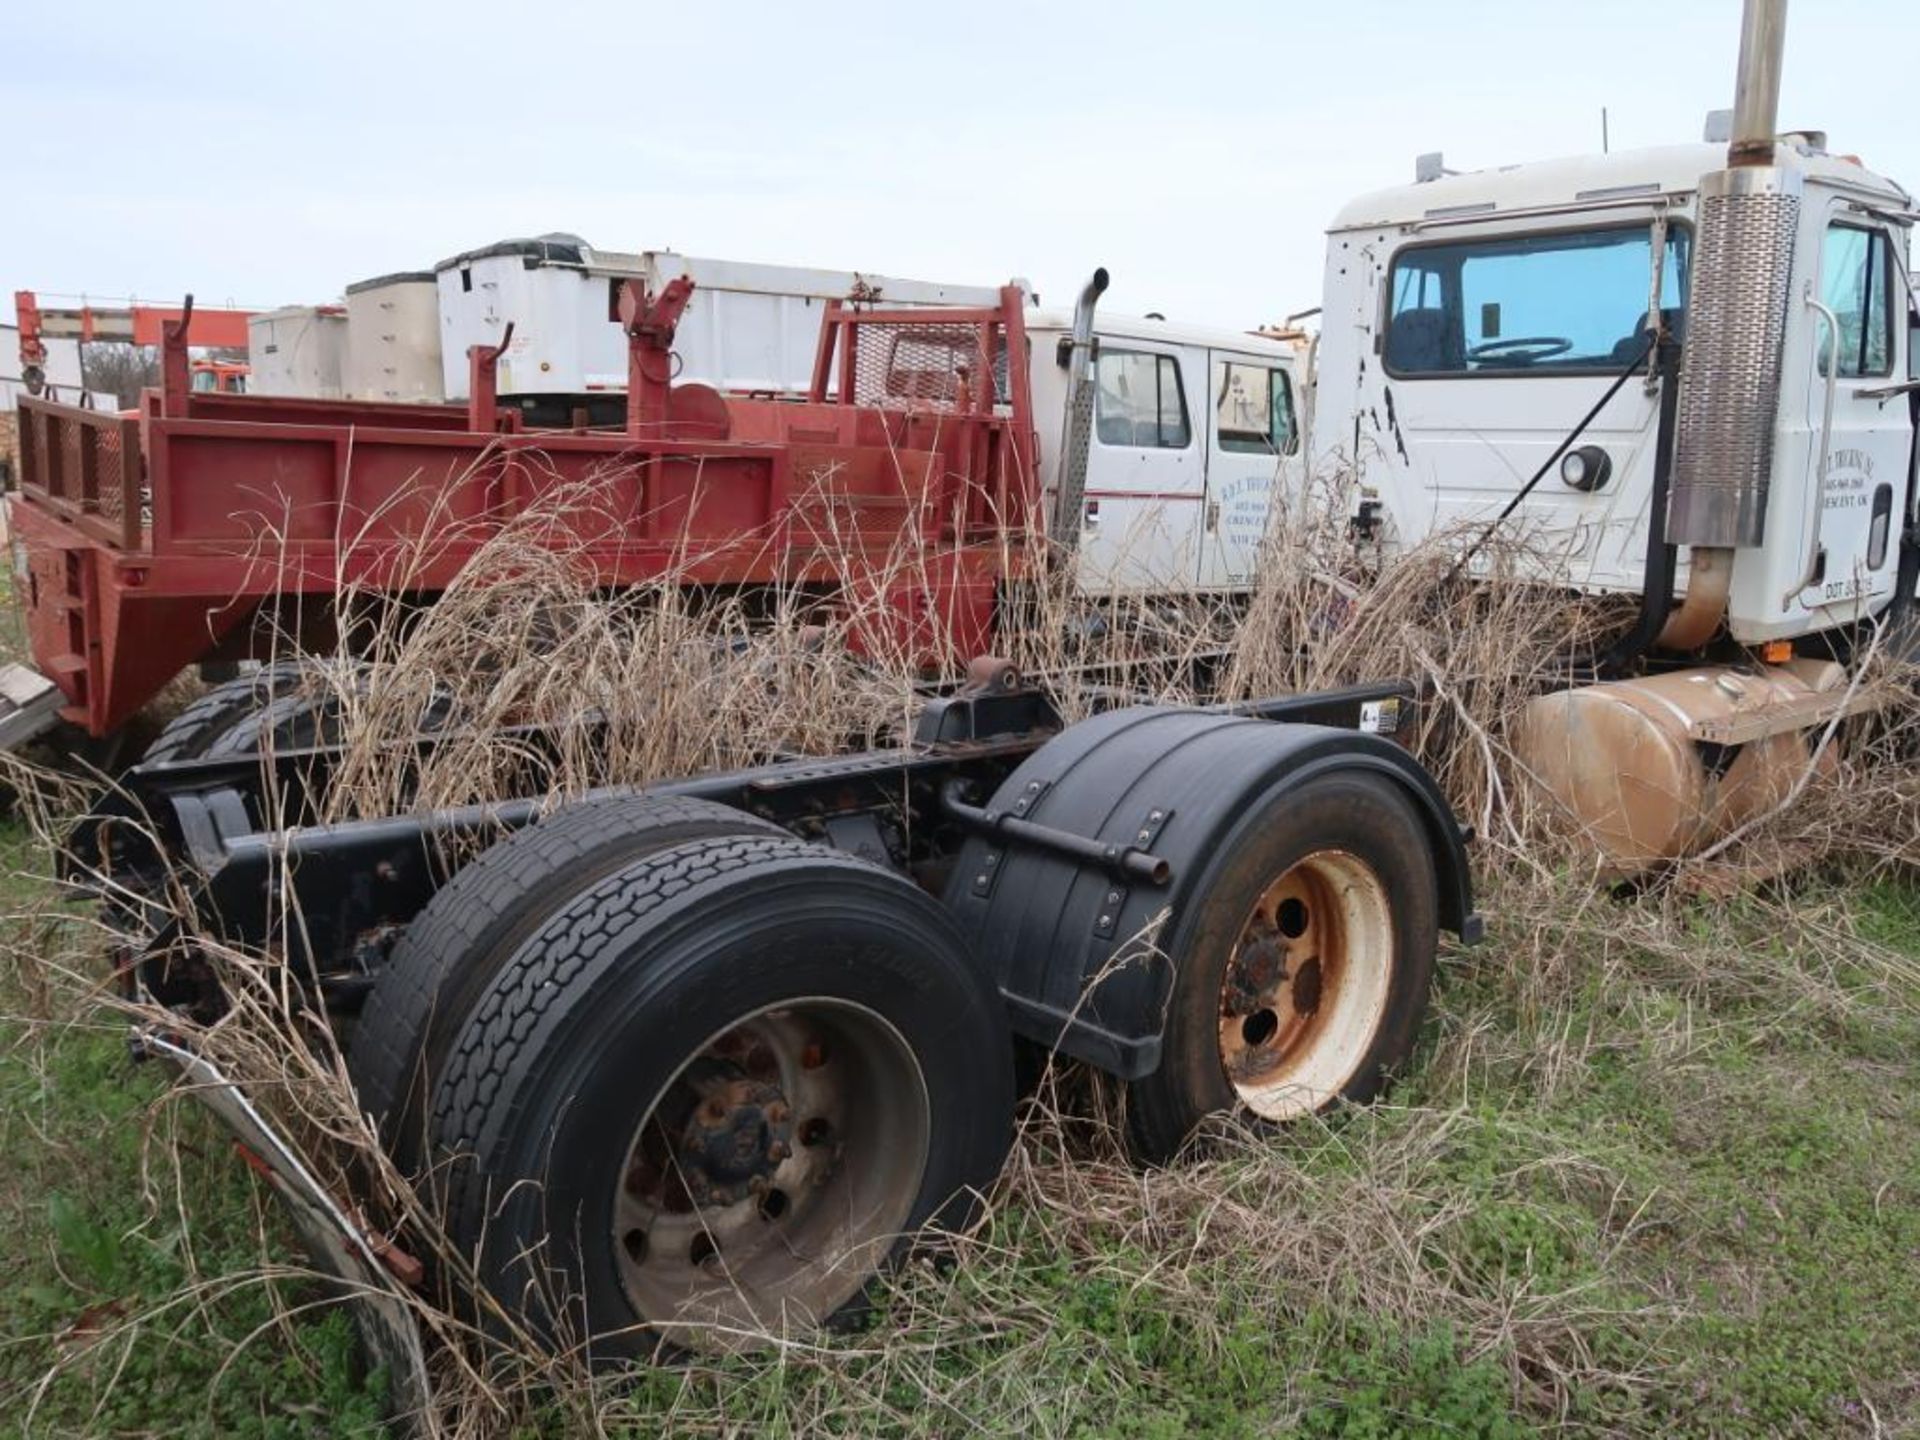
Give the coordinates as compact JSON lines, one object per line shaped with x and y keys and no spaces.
{"x":1195,"y":432}
{"x":749,"y":328}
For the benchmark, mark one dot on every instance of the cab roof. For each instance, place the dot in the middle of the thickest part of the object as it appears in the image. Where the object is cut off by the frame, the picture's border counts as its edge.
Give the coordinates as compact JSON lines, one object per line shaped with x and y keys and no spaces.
{"x":1668,"y":170}
{"x":1109,"y":325}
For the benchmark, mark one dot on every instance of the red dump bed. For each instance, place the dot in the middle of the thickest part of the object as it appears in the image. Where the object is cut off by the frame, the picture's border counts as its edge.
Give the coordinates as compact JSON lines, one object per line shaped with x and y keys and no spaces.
{"x":156,"y":540}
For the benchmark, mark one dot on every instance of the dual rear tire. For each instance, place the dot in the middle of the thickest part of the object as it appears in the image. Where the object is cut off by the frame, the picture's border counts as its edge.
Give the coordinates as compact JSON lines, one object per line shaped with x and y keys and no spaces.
{"x":286,"y":705}
{"x":224,"y":712}
{"x":703,"y":1094}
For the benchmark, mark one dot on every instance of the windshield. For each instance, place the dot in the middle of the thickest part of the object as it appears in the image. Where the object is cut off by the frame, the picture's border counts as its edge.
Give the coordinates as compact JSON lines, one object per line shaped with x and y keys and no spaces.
{"x":1570,"y":301}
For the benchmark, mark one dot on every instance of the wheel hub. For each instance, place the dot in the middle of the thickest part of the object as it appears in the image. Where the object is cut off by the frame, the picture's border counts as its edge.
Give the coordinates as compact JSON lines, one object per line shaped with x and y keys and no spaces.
{"x":1305,"y":985}
{"x":734,"y":1138}
{"x":773,"y":1169}
{"x":1258,"y":968}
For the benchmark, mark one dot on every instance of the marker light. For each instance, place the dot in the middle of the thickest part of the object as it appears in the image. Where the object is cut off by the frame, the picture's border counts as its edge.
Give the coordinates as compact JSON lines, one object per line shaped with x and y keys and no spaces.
{"x":1586,"y":468}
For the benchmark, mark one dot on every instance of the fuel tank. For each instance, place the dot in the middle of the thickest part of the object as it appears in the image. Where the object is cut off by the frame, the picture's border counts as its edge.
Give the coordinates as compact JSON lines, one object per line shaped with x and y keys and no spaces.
{"x":1653,"y":769}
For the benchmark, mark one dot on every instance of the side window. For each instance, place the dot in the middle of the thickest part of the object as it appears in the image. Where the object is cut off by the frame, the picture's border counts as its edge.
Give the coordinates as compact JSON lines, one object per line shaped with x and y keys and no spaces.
{"x":1253,"y":408}
{"x":1856,"y":284}
{"x":1138,"y":401}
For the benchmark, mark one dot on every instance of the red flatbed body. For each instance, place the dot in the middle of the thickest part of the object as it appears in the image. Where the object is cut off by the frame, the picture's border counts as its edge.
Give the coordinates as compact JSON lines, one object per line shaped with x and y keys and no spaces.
{"x":153,"y":540}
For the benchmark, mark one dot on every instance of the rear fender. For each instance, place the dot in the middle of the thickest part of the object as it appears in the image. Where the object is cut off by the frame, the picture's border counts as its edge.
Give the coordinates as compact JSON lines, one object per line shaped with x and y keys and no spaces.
{"x":1074,"y":945}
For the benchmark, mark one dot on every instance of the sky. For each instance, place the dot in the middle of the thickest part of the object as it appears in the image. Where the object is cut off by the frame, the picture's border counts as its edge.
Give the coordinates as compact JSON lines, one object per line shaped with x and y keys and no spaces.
{"x":272,"y":154}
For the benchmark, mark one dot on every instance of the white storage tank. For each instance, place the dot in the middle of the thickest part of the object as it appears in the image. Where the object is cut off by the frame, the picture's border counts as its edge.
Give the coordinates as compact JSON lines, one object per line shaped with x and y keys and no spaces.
{"x":393,"y":339}
{"x":748,"y":327}
{"x":298,"y":350}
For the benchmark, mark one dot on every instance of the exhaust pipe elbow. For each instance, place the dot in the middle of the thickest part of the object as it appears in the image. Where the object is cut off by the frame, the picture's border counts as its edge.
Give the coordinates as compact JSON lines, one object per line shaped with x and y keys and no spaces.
{"x":1090,"y":294}
{"x":1709,"y":582}
{"x":1076,"y":356}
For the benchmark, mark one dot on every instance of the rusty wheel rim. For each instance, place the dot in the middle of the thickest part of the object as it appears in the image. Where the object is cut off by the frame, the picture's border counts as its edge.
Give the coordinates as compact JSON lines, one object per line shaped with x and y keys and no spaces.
{"x":771,"y":1175}
{"x":1305,"y":990}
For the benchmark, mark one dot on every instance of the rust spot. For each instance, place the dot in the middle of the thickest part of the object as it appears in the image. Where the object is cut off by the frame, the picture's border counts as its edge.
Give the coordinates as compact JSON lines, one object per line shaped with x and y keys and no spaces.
{"x":1307,"y":982}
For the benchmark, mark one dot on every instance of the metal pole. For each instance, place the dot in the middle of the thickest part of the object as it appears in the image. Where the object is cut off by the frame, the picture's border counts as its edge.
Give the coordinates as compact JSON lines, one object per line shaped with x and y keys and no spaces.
{"x":1756,"y":96}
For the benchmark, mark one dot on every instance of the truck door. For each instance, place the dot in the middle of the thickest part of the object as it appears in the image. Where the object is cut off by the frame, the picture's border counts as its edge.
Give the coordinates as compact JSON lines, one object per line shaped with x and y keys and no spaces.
{"x":1252,"y":458}
{"x":1496,"y":346}
{"x":1854,"y":511}
{"x":1146,"y":482}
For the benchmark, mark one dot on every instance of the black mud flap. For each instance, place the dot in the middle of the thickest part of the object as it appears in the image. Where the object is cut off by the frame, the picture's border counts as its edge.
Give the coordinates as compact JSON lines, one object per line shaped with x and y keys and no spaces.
{"x":340,"y":1251}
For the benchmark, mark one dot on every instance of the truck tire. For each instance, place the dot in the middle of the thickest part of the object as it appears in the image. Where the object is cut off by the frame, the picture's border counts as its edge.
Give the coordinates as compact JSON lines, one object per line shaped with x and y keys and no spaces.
{"x":310,"y":715}
{"x":1302,"y":962}
{"x":188,"y":734}
{"x":287,"y":722}
{"x":715,"y":1093}
{"x":454,"y":947}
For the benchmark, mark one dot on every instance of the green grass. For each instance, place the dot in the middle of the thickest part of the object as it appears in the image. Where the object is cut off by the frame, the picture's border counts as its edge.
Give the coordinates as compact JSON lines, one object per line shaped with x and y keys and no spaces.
{"x":112,"y":1281}
{"x":1656,"y":1172}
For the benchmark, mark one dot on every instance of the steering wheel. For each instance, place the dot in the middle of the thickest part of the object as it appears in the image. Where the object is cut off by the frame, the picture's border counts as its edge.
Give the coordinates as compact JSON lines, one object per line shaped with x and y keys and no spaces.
{"x":1523,"y":348}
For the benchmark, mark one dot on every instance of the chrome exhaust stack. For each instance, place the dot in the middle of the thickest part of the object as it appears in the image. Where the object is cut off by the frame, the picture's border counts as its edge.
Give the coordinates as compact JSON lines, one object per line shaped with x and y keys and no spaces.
{"x":1736,"y":327}
{"x":1077,"y":434}
{"x":1756,"y":96}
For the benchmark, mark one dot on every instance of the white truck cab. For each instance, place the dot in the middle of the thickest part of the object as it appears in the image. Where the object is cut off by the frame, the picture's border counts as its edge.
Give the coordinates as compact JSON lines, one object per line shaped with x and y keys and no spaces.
{"x":1472,"y":321}
{"x":1195,"y":431}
